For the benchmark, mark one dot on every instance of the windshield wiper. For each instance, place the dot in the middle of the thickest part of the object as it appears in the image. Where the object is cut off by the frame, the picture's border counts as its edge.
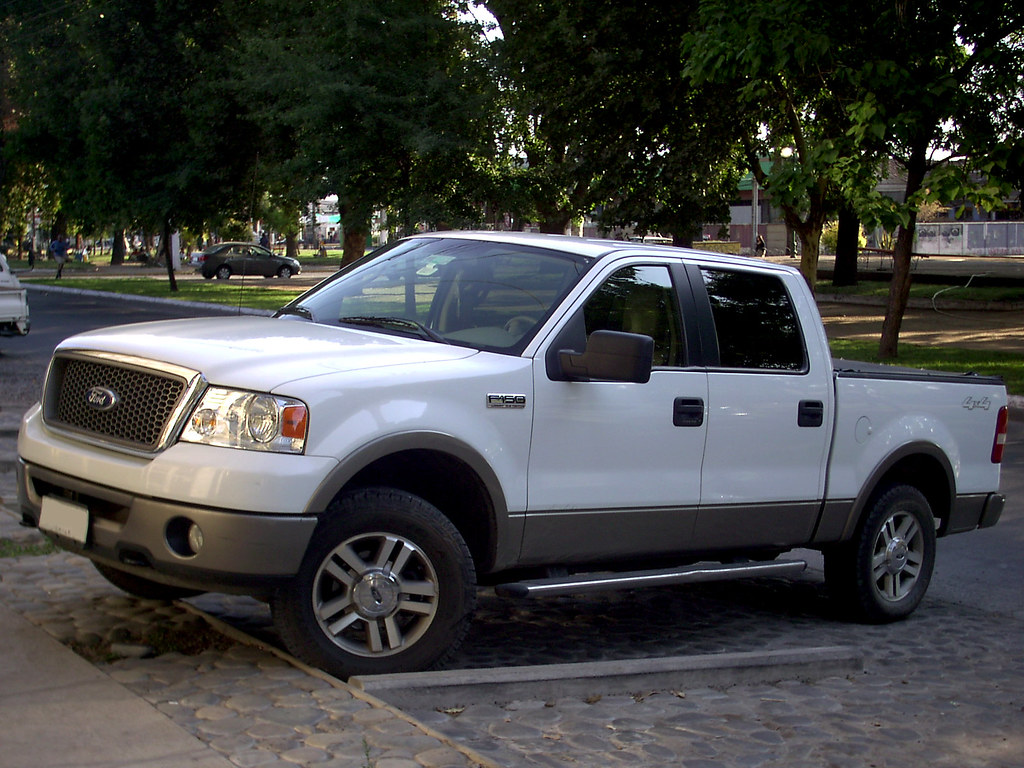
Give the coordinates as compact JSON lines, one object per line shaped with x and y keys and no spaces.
{"x":399,"y":323}
{"x":298,"y":311}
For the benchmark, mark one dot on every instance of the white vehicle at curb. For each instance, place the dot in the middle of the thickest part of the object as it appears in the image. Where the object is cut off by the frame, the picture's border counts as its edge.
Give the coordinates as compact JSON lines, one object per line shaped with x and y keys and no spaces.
{"x":544,"y":415}
{"x":14,"y":320}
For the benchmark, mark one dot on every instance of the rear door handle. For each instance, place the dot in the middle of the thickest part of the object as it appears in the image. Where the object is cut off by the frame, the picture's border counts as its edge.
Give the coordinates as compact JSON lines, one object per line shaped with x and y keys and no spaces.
{"x":688,"y":412}
{"x":811,"y":413}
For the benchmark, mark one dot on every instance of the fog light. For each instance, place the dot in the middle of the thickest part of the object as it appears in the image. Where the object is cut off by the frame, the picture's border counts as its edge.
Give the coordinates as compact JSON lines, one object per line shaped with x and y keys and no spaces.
{"x":195,"y":538}
{"x":184,"y":537}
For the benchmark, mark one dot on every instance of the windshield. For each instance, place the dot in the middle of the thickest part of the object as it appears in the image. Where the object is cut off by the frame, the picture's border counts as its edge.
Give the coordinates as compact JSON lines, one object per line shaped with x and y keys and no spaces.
{"x":491,"y":296}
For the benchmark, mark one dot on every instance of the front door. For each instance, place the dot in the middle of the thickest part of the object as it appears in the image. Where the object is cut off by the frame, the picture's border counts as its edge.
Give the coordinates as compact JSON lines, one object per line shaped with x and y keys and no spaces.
{"x":615,"y":467}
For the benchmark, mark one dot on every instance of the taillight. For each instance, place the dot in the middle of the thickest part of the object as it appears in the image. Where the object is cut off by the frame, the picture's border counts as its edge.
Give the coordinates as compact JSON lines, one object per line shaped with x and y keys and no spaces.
{"x":999,"y":443}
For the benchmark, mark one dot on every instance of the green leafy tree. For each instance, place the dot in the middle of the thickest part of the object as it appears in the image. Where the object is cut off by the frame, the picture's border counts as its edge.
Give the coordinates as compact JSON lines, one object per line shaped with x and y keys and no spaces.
{"x":607,"y":120}
{"x":938,"y":81}
{"x":126,"y":103}
{"x":541,"y":56}
{"x":381,"y":103}
{"x":784,"y":61}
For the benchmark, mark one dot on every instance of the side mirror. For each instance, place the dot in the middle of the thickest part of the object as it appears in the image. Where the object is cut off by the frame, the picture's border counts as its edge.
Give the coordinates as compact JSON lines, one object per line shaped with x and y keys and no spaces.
{"x":609,"y":356}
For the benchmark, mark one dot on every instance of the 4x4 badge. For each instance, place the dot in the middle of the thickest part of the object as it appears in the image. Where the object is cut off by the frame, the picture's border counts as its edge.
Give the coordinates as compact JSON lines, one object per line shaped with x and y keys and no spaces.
{"x":970,"y":403}
{"x":101,"y":398}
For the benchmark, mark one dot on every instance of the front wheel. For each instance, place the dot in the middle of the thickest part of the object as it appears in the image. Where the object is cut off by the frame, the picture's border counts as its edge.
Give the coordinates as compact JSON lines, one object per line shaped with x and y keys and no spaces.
{"x":387,"y":585}
{"x":284,"y":273}
{"x":882,"y":574}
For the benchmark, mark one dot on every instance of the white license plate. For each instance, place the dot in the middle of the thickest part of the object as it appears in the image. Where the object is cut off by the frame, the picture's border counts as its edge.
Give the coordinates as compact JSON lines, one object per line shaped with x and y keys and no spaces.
{"x":64,"y":519}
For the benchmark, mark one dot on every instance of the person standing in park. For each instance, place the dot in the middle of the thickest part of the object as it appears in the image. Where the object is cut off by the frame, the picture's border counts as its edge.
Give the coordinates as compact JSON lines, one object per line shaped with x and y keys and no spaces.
{"x":59,"y":252}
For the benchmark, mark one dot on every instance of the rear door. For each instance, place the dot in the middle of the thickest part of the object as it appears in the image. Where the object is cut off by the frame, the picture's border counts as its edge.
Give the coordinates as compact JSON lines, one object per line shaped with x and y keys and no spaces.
{"x":769,"y":410}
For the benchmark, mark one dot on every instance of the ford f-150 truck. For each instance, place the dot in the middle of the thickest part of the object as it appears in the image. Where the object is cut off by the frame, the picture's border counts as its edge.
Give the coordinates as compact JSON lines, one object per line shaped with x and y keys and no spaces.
{"x":540,"y":414}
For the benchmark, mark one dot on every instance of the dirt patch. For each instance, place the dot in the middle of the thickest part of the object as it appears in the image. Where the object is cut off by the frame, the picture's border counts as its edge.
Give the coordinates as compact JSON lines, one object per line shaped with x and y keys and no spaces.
{"x":988,"y":329}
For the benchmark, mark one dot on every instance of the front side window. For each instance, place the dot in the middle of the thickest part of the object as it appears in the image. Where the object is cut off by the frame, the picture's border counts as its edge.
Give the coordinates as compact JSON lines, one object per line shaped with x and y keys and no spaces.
{"x":480,"y":294}
{"x":755,"y":321}
{"x":639,"y":299}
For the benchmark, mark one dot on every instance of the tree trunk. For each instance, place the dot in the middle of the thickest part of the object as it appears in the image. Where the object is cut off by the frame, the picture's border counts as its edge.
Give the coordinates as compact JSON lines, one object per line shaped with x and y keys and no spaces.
{"x":354,"y":244}
{"x":118,"y":250}
{"x":810,"y":248}
{"x":899,"y":287}
{"x":165,"y":246}
{"x":291,"y":246}
{"x":847,"y":246}
{"x":899,"y":291}
{"x":809,"y":232}
{"x":554,"y":223}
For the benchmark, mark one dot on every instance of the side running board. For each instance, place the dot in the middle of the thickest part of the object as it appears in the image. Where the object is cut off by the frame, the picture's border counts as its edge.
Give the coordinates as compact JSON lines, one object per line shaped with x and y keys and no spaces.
{"x":605,"y":582}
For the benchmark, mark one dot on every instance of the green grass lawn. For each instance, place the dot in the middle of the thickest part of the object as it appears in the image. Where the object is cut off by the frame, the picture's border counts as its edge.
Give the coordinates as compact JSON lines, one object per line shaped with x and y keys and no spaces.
{"x":954,"y":359}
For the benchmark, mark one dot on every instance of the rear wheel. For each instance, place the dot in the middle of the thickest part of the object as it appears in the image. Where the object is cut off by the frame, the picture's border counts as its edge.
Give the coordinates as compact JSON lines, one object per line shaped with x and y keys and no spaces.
{"x":140,"y":587}
{"x":223,"y":272}
{"x":882,"y":574}
{"x":387,"y":585}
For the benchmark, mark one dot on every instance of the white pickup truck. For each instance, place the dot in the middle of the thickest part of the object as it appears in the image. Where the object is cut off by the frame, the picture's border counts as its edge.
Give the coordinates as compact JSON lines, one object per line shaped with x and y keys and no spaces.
{"x":14,"y":319}
{"x":540,"y":414}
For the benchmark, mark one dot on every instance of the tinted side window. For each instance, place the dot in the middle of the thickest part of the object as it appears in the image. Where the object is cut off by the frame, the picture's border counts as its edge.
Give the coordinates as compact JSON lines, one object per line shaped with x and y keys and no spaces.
{"x":639,"y":300}
{"x":755,"y":321}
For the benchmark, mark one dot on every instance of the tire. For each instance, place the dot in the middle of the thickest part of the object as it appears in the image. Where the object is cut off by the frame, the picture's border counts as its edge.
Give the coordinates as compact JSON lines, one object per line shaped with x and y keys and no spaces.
{"x":284,"y":273}
{"x":882,"y":574}
{"x":387,"y":585}
{"x":140,"y":587}
{"x":223,"y":272}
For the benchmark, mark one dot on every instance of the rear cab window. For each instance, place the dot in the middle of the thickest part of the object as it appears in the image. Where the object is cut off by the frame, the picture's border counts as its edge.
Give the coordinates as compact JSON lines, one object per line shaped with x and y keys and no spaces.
{"x":755,"y":322}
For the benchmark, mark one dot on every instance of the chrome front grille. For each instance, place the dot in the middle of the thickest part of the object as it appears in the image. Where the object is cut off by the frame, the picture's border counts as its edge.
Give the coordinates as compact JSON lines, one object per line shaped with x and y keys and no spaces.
{"x":116,"y":400}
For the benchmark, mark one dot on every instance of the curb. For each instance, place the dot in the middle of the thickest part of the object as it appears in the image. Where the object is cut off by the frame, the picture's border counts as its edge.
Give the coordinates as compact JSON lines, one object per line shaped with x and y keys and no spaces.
{"x":455,"y":688}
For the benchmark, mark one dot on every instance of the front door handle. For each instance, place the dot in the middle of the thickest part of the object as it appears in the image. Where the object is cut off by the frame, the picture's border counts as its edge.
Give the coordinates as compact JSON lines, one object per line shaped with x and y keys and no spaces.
{"x":688,"y":412}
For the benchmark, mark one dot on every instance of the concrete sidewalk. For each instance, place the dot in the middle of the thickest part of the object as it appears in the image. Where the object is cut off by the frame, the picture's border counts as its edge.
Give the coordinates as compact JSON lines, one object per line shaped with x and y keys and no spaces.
{"x":59,"y":710}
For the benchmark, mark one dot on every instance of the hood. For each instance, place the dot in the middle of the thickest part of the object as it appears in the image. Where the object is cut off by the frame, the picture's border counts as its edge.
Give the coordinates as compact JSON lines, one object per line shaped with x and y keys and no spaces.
{"x":262,"y":353}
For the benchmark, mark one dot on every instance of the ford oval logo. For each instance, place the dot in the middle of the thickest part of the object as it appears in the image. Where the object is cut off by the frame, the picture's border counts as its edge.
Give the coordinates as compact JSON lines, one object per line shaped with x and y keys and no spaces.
{"x":101,"y":398}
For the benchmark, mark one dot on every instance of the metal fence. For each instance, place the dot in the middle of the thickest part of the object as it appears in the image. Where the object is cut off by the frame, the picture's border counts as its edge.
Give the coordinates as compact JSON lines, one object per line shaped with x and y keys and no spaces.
{"x":971,"y":238}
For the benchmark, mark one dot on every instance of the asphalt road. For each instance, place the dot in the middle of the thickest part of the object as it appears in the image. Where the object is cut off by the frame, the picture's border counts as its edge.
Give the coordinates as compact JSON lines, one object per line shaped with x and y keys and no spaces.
{"x":983,"y":569}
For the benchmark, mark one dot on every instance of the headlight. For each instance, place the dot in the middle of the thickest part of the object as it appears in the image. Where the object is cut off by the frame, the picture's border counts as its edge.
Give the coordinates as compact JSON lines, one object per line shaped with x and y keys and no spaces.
{"x":249,"y":420}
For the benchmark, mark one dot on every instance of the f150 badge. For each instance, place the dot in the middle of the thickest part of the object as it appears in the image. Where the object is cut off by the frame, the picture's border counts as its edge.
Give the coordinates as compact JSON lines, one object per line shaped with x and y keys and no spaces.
{"x":506,"y":401}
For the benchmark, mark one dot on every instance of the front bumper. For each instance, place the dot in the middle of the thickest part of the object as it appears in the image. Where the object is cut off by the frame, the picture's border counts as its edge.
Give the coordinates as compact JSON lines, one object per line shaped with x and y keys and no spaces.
{"x":241,"y":552}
